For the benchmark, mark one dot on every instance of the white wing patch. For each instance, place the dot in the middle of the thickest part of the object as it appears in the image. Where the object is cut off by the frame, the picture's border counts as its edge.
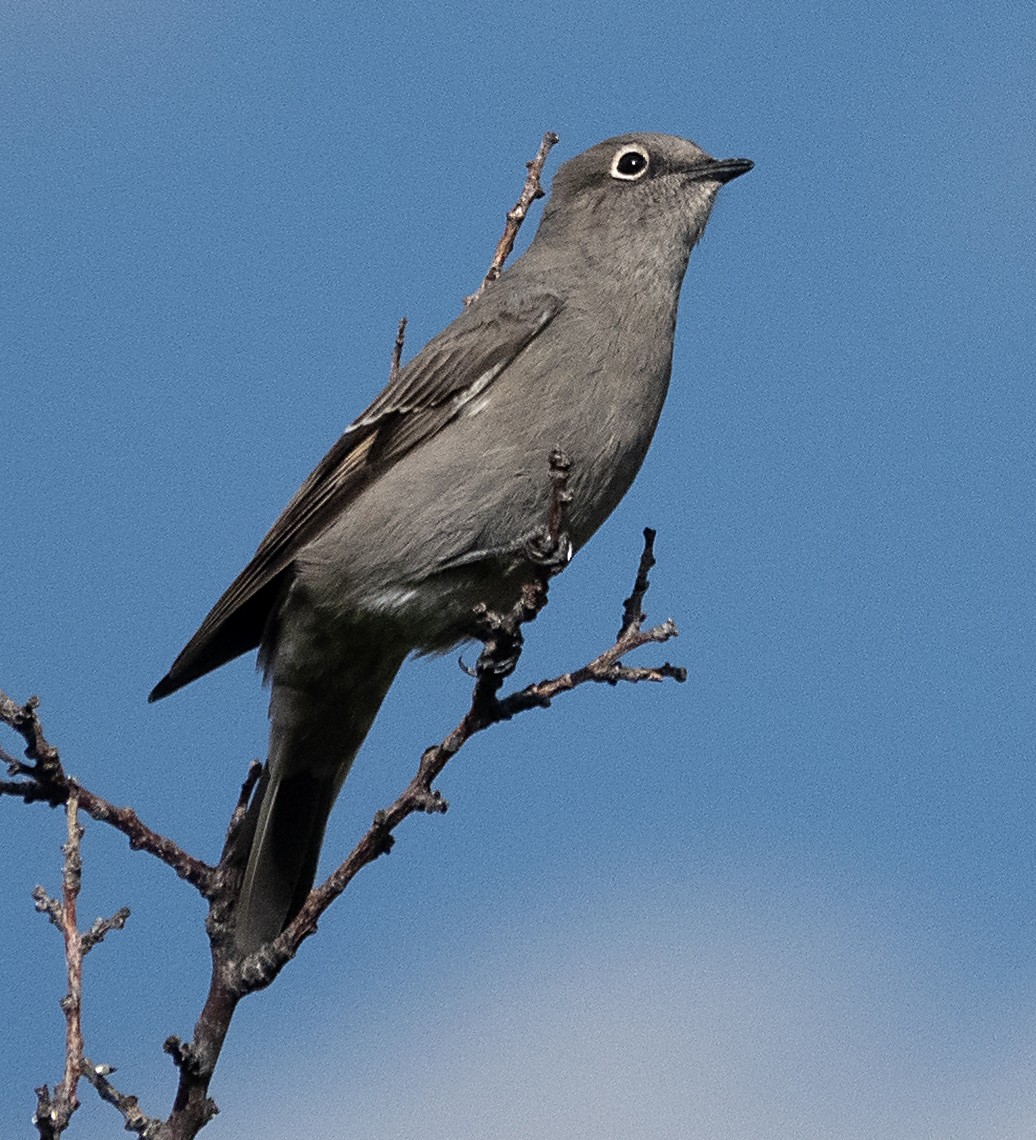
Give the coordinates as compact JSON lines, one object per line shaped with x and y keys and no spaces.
{"x":392,"y":598}
{"x":475,"y":389}
{"x":480,"y":384}
{"x":477,"y":406}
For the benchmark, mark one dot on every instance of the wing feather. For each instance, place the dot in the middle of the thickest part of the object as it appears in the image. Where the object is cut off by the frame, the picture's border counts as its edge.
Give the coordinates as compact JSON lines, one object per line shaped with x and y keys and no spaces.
{"x":425,"y":395}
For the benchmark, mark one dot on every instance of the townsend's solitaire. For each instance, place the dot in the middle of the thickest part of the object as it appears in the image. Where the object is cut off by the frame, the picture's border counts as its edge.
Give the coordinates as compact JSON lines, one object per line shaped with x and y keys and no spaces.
{"x":425,"y":506}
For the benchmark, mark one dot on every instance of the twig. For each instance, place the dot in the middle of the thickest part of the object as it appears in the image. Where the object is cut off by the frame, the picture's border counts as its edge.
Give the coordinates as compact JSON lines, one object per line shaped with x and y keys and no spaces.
{"x":71,"y":881}
{"x":516,"y":215}
{"x":53,"y":1114}
{"x":146,"y":1127}
{"x":632,"y":607}
{"x":397,"y":349}
{"x":45,"y":780}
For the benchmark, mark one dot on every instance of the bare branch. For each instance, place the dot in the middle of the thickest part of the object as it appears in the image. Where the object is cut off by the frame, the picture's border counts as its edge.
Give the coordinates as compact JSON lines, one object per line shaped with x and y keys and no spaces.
{"x":397,"y":349}
{"x":53,"y":1114}
{"x":102,"y":927}
{"x":71,"y":881}
{"x":516,"y":215}
{"x":46,"y":780}
{"x":147,"y":1127}
{"x":632,"y":615}
{"x":233,"y":978}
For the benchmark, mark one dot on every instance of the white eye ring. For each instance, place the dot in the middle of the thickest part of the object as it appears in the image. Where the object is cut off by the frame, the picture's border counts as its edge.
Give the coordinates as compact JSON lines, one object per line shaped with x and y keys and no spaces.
{"x":630,"y":163}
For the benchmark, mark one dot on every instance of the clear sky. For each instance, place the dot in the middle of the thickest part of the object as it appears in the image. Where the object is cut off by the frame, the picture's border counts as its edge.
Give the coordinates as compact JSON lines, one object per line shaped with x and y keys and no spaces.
{"x":792,"y":898}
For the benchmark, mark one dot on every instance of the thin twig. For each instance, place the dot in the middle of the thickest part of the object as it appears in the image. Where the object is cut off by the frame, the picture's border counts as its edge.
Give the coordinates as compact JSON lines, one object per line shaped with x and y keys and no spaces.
{"x":145,"y":1127}
{"x":53,"y":1114}
{"x":397,"y":349}
{"x":46,"y":780}
{"x":516,"y":215}
{"x":71,"y":881}
{"x":632,"y":608}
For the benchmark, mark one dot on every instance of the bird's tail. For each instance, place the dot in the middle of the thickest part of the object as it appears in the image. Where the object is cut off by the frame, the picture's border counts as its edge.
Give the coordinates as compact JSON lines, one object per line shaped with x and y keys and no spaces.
{"x":312,"y":747}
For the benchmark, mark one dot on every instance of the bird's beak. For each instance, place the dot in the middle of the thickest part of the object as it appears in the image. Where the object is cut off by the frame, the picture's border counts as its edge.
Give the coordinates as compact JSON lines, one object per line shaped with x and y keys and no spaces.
{"x":722,"y":169}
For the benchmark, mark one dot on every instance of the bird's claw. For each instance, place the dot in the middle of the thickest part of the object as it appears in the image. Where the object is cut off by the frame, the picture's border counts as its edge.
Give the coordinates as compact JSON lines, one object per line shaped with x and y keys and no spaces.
{"x":552,"y":552}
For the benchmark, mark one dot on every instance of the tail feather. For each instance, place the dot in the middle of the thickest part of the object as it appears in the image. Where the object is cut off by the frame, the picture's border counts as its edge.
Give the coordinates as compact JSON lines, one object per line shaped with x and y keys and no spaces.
{"x":316,"y":729}
{"x":292,"y":816}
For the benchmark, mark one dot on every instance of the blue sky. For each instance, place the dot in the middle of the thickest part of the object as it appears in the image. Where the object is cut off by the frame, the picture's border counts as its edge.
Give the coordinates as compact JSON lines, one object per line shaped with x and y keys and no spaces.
{"x":791,"y":898}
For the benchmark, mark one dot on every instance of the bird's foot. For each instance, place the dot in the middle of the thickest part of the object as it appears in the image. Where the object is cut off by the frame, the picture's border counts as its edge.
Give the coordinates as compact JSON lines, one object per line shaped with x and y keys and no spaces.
{"x":552,"y":552}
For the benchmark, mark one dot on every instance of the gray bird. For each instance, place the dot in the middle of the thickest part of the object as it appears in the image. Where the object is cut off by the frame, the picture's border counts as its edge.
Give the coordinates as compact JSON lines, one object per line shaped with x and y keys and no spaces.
{"x":424,"y":506}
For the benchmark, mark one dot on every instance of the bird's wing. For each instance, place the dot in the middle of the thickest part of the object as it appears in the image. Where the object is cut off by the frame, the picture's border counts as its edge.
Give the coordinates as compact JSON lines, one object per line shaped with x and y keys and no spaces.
{"x":423,"y":397}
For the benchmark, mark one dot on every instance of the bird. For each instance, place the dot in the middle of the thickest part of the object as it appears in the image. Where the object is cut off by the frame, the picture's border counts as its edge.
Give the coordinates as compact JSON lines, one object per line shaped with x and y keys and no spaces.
{"x":424,"y":507}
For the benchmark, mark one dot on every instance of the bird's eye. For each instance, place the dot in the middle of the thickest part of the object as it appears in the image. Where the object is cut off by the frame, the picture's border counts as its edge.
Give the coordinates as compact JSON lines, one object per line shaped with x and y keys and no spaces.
{"x":630,"y":163}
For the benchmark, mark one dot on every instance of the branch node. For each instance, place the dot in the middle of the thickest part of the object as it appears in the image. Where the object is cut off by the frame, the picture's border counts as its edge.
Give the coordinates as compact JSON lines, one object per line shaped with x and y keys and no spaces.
{"x":104,"y":926}
{"x":179,"y":1050}
{"x":128,"y":1107}
{"x":431,"y":801}
{"x":382,"y":839}
{"x":44,"y":904}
